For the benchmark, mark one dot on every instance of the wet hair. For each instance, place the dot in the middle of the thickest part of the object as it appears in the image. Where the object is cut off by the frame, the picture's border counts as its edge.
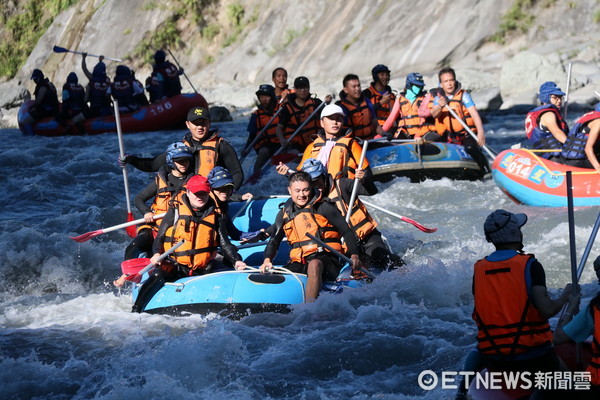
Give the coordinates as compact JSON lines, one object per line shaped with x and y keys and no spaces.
{"x":446,"y":70}
{"x":278,"y":69}
{"x":299,"y":176}
{"x":350,"y":77}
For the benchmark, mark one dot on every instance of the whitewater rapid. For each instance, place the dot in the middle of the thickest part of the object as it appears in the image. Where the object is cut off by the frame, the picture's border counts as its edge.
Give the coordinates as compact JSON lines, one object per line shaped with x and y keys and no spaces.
{"x":66,"y":332}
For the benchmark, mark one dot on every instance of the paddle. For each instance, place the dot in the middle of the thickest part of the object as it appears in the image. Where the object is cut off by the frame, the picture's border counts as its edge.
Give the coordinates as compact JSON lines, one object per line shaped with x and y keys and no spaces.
{"x":130,"y":229}
{"x":242,"y":208}
{"x":139,"y":266}
{"x":356,"y":181}
{"x":57,"y":49}
{"x":491,"y":153}
{"x":247,"y":149}
{"x":402,"y":218}
{"x":566,"y":105}
{"x":181,"y":69}
{"x":307,"y":120}
{"x":338,"y":254}
{"x":87,"y":236}
{"x":572,"y":245}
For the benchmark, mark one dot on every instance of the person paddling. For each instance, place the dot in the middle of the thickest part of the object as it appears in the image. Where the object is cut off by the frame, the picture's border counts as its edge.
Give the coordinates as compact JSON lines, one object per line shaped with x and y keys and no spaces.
{"x":209,"y":149}
{"x":380,"y":93}
{"x":511,"y":303}
{"x":195,"y":220}
{"x":544,"y":125}
{"x":306,"y":212}
{"x":167,"y":76}
{"x":360,"y":115}
{"x":581,"y":148}
{"x":279,"y":78}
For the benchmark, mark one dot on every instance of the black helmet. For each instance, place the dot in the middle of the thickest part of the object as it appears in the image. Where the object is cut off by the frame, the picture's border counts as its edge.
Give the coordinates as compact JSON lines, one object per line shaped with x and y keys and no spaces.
{"x":377,"y":69}
{"x":267,"y":90}
{"x":160,"y":56}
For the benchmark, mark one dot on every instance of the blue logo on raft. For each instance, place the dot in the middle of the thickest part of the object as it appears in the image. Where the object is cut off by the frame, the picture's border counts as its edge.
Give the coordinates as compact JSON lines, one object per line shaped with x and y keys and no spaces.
{"x":140,"y":115}
{"x":537,"y":174}
{"x":506,"y":160}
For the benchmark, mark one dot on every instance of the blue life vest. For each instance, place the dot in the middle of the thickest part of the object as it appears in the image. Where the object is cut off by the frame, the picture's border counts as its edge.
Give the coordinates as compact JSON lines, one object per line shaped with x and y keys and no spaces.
{"x":574,"y":147}
{"x":540,"y":139}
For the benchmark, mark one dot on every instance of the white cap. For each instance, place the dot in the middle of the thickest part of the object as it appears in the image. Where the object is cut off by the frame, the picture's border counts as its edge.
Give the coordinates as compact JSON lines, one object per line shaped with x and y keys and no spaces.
{"x":332,"y":109}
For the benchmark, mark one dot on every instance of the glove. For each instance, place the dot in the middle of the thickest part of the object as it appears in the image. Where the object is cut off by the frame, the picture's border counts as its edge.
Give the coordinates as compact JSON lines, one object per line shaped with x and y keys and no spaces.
{"x":253,"y":237}
{"x":124,"y":160}
{"x":389,"y":136}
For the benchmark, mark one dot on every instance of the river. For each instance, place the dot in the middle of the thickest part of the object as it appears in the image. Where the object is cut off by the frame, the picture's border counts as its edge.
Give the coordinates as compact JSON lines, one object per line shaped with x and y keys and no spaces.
{"x":66,"y":332}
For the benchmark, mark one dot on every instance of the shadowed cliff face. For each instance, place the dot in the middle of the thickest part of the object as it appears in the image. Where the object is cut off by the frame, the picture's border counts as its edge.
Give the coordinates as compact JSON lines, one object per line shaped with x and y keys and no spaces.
{"x":326,"y":39}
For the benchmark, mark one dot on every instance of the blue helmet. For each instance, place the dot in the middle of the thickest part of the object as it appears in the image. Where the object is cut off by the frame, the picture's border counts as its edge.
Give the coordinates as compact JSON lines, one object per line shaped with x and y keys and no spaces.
{"x":176,"y":151}
{"x":597,"y":108}
{"x":72,"y":78}
{"x":314,"y":168}
{"x":414,"y":78}
{"x":547,"y":89}
{"x":377,"y":69}
{"x":219,"y":177}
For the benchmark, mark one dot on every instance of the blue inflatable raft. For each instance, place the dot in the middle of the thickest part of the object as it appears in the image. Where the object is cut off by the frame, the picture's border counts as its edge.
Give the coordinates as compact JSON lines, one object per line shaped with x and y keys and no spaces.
{"x":428,"y":161}
{"x":238,"y":293}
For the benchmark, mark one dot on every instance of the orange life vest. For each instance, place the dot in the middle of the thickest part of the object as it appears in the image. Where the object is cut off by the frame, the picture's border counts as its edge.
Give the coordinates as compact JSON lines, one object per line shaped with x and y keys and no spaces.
{"x":594,"y":367}
{"x":208,"y":154}
{"x":166,"y":195}
{"x":408,"y":118}
{"x":361,"y":221}
{"x":508,"y":322}
{"x":358,"y":118}
{"x":200,"y":234}
{"x":269,"y":135}
{"x":298,"y":114}
{"x":382,"y":112}
{"x":343,"y":159}
{"x":446,"y":124}
{"x":296,"y":224}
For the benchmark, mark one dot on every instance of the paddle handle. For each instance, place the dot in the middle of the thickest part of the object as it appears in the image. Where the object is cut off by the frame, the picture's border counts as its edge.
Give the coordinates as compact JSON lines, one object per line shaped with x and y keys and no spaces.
{"x":58,"y":49}
{"x":363,"y":154}
{"x":338,"y":254}
{"x":162,"y":257}
{"x":464,"y":125}
{"x":131,"y":223}
{"x":184,"y":74}
{"x":401,"y":217}
{"x":566,"y":102}
{"x":242,"y":208}
{"x":247,"y":149}
{"x":122,"y":153}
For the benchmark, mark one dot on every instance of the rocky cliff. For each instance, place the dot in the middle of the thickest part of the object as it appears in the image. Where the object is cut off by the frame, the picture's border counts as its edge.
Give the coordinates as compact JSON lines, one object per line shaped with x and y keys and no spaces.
{"x":501,"y":50}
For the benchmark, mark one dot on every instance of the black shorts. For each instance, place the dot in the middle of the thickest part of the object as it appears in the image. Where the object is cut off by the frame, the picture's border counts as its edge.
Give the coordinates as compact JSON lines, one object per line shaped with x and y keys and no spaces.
{"x":331,"y":265}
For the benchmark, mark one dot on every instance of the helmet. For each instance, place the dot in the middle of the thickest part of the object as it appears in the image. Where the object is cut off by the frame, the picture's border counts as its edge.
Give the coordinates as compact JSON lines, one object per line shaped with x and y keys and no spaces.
{"x":597,"y":108}
{"x":266,"y":90}
{"x":160,"y":56}
{"x":178,"y":150}
{"x":377,"y":69}
{"x":219,"y":177}
{"x":99,"y":70}
{"x":414,"y":78}
{"x":314,"y":168}
{"x":72,"y":78}
{"x":122,"y":70}
{"x":37,"y":74}
{"x":547,"y":89}
{"x":502,"y":226}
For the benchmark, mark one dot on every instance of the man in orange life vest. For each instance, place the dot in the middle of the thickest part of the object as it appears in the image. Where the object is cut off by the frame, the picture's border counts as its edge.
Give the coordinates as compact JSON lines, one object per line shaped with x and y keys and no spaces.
{"x":268,"y":144}
{"x":279,"y":78}
{"x":195,"y":220}
{"x":380,"y":93}
{"x":462,"y":104}
{"x":209,"y":149}
{"x":512,"y":304}
{"x":303,"y":213}
{"x":359,"y":111}
{"x":578,"y":328}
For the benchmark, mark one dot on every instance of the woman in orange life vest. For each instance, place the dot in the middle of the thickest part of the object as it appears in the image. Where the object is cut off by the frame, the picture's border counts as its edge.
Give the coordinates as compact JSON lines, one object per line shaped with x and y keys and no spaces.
{"x":544,"y":125}
{"x":163,"y":189}
{"x":279,"y":78}
{"x":268,"y":144}
{"x":298,"y":107}
{"x":194,"y":220}
{"x":360,"y":115}
{"x":461,"y":102}
{"x":372,"y":247}
{"x":578,"y":328}
{"x":221,"y":191}
{"x":339,"y":153}
{"x":209,"y":149}
{"x":305,"y":213}
{"x":405,"y":118}
{"x":511,"y":304}
{"x":380,"y":93}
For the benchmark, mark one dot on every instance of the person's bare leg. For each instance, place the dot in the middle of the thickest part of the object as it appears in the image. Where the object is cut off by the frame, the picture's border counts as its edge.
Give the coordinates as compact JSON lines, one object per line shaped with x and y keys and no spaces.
{"x":314,"y":281}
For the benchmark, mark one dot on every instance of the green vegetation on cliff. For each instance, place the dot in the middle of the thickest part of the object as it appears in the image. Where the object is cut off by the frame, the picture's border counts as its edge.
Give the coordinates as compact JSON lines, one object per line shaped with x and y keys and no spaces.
{"x":22,"y":27}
